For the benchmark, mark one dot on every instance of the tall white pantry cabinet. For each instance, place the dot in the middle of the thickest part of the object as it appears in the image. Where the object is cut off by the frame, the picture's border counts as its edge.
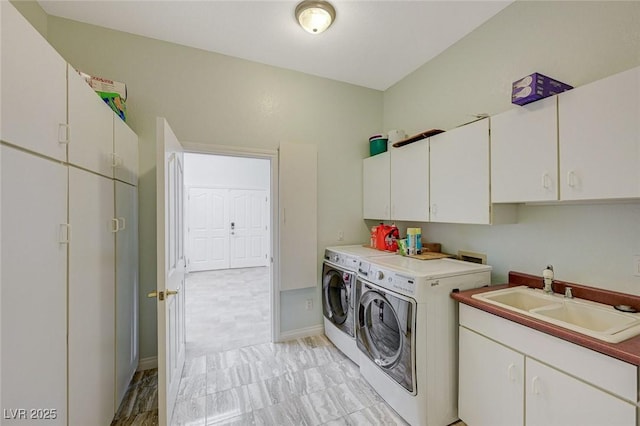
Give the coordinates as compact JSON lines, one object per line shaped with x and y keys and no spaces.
{"x":69,"y":257}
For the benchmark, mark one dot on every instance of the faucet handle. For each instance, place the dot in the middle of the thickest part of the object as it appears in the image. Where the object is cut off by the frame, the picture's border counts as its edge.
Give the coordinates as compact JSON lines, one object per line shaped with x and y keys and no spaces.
{"x":567,"y":293}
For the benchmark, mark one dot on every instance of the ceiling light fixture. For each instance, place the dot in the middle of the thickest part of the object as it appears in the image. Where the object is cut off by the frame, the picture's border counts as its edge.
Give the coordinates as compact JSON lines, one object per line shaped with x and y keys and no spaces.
{"x":315,"y":16}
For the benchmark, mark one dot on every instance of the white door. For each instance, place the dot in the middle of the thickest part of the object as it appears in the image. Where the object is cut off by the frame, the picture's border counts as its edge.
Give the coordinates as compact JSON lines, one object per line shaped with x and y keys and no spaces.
{"x":248,"y":230}
{"x":208,"y":229}
{"x":298,"y":221}
{"x":171,"y":268}
{"x":376,"y":186}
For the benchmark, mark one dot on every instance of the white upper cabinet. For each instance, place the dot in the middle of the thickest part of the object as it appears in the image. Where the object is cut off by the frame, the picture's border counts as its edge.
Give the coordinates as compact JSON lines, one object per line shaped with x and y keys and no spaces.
{"x":459,"y":175}
{"x":33,"y":89}
{"x":524,"y":153}
{"x":90,"y":128}
{"x":410,"y":182}
{"x":376,"y":185}
{"x":125,"y":148}
{"x":599,"y":139}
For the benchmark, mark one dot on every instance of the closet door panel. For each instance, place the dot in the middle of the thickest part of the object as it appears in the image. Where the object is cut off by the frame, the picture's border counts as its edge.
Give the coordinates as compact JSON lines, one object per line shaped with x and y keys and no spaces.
{"x":34,"y":285}
{"x":91,"y":299}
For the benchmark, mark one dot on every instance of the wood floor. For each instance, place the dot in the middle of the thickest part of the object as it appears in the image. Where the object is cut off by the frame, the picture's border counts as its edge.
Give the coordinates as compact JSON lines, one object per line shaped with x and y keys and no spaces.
{"x":234,"y":376}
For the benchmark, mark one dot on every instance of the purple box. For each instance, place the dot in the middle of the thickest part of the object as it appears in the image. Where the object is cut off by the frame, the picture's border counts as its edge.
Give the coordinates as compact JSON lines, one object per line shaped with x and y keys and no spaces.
{"x":535,"y":86}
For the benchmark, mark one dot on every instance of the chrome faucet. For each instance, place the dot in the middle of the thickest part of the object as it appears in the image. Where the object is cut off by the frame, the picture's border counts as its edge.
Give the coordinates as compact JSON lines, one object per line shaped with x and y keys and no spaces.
{"x":547,"y":279}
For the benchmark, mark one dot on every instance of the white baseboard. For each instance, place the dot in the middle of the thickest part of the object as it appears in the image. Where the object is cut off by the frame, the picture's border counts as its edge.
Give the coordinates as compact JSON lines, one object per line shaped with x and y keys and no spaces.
{"x":301,"y":332}
{"x":147,"y":363}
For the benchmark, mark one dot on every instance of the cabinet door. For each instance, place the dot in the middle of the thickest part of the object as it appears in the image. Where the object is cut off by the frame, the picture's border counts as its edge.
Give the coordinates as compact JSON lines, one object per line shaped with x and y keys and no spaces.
{"x":410,"y":182}
{"x":91,"y":299}
{"x":524,"y":153}
{"x":554,"y":398}
{"x":90,"y":128}
{"x":376,"y":183}
{"x":125,"y":147}
{"x":491,"y":382}
{"x":459,"y":174}
{"x":33,"y":88}
{"x":599,"y":139}
{"x":126,"y":209}
{"x":298,"y":216}
{"x":34,"y":284}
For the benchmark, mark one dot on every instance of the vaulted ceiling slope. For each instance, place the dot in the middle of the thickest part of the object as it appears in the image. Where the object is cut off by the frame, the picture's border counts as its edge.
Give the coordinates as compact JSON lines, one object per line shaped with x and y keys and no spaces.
{"x":373,"y":43}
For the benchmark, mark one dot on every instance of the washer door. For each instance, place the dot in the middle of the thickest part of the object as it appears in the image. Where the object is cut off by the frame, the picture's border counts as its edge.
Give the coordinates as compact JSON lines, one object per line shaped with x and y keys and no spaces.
{"x":384,"y":331}
{"x":337,"y":304}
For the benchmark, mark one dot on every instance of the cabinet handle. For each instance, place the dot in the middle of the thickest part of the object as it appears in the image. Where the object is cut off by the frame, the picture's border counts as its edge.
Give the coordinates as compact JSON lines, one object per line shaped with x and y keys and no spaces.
{"x":116,"y":160}
{"x":546,"y":181}
{"x":571,"y":179}
{"x":124,"y":224}
{"x":510,"y":370}
{"x":535,"y":388}
{"x":63,"y":133}
{"x":65,"y":233}
{"x":115,"y":226}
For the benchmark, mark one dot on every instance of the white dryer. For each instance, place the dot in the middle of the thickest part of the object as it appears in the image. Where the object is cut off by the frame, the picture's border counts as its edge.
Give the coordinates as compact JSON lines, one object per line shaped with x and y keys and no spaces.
{"x":338,"y":294}
{"x":406,"y":331}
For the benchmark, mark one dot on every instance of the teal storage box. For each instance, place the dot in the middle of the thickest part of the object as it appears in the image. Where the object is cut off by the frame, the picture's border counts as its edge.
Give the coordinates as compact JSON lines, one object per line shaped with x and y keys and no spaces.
{"x":377,"y":146}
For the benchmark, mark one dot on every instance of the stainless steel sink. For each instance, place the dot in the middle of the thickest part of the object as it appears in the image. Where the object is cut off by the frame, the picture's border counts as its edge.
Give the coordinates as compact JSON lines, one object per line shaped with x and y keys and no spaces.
{"x":590,"y":318}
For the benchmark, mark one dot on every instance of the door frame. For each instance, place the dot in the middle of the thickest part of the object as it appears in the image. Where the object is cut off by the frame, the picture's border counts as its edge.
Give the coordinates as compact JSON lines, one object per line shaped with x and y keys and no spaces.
{"x":272,"y":156}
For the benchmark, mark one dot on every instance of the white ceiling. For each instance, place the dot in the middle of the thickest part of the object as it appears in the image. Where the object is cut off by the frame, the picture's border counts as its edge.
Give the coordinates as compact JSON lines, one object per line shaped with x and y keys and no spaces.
{"x":373,"y":43}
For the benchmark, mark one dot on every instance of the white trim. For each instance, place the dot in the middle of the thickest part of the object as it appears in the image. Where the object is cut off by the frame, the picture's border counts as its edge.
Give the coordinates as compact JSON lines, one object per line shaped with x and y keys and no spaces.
{"x":272,"y":156}
{"x":147,"y":363}
{"x":314,"y":330}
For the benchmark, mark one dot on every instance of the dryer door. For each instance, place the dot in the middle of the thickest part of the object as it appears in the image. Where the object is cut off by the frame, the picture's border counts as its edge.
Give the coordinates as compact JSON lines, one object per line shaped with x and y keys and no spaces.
{"x":384,"y":331}
{"x":336,"y":294}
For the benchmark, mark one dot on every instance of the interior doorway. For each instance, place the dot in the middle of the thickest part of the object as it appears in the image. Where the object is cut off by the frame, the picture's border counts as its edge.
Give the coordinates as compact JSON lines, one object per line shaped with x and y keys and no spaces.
{"x":228,"y":212}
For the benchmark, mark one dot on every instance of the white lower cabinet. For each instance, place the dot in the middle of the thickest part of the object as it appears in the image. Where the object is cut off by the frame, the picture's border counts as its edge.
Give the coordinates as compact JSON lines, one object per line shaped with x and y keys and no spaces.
{"x":91,"y":299}
{"x":555,"y":398}
{"x":34,"y":287}
{"x":510,"y":374}
{"x":490,"y":374}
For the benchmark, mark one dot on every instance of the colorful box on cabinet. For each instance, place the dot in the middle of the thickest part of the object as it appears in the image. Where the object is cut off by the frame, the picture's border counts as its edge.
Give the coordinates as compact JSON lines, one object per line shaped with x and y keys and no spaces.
{"x":534,"y":87}
{"x":113,"y":93}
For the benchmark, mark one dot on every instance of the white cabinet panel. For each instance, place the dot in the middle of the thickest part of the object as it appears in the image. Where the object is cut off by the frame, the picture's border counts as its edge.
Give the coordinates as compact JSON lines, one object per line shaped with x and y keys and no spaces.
{"x":376,"y":182}
{"x":298,"y":170}
{"x":410,"y":182}
{"x":491,"y":390}
{"x":524,"y":153}
{"x":91,"y":299}
{"x":557,"y":399}
{"x":34,"y":88}
{"x":90,"y":128}
{"x":599,"y":135}
{"x":125,"y":147}
{"x":459,"y":175}
{"x":34,"y":284}
{"x":126,"y":211}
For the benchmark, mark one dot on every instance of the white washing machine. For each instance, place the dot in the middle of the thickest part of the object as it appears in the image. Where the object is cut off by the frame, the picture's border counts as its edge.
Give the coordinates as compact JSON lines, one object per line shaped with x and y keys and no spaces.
{"x":406,"y":332}
{"x":338,"y":294}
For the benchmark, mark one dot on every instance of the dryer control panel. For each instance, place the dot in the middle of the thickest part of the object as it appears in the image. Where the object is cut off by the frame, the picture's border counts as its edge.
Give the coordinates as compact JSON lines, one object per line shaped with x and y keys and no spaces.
{"x":391,"y":280}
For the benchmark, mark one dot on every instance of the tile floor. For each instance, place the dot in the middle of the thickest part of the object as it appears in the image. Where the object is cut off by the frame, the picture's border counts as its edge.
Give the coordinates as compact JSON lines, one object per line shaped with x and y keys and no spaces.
{"x":234,"y":375}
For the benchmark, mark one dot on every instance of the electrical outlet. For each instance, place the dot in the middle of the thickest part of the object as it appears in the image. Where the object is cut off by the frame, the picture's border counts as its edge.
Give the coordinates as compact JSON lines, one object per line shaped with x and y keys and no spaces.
{"x":636,"y":265}
{"x":309,"y":304}
{"x":340,"y":236}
